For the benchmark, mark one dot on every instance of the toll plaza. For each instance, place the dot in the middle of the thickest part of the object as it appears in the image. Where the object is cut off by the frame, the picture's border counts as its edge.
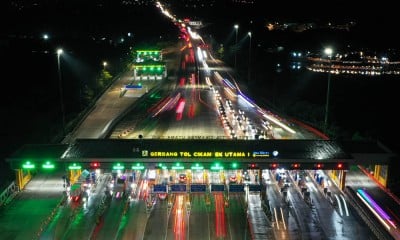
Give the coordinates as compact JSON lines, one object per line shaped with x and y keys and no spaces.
{"x":200,"y":161}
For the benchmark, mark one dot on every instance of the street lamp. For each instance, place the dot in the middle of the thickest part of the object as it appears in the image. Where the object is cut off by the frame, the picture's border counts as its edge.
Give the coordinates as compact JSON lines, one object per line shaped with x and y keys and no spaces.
{"x":249,"y":33}
{"x":104,"y":65}
{"x":59,"y":52}
{"x":328,"y":52}
{"x":236,"y":47}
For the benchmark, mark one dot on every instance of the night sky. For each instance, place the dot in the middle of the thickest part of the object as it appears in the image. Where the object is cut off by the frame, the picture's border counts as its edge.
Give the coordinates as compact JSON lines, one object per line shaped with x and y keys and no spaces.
{"x":30,"y":100}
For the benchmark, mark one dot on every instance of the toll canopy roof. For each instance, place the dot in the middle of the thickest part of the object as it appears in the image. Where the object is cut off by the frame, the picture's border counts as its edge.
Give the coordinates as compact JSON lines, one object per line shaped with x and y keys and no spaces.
{"x":203,"y":148}
{"x":39,"y":151}
{"x":147,"y":148}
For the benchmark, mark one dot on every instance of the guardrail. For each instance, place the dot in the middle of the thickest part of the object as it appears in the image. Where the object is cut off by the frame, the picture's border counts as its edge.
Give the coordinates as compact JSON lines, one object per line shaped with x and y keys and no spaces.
{"x":8,"y":194}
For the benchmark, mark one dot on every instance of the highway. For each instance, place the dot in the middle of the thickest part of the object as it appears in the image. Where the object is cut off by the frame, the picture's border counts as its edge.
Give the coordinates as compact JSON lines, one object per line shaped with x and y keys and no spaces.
{"x":196,"y":102}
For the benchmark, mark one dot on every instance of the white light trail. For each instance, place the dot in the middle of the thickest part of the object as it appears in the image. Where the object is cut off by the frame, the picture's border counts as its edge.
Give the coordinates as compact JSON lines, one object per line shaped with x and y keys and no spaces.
{"x":274,"y":120}
{"x":339,"y":204}
{"x":345,"y":206}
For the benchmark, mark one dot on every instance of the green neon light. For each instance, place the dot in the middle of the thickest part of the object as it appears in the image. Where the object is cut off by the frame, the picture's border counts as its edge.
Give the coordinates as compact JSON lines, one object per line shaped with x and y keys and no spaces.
{"x":74,"y":167}
{"x":28,"y":165}
{"x":48,"y":165}
{"x":138,"y":166}
{"x":160,"y":165}
{"x":150,"y":66}
{"x":148,"y":51}
{"x":197,"y":167}
{"x":178,"y":167}
{"x":217,"y":167}
{"x":118,"y":167}
{"x":234,"y":165}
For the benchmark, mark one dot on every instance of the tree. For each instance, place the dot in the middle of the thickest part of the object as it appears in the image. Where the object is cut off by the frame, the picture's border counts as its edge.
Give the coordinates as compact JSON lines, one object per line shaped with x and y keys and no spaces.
{"x":104,"y":79}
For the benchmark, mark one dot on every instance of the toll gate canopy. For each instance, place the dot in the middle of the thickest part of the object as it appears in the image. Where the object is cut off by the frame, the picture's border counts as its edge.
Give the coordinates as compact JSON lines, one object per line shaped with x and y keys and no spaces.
{"x":289,"y":154}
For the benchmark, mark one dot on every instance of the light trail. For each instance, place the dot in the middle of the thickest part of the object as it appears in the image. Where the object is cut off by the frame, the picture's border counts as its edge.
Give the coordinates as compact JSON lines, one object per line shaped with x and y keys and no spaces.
{"x":382,"y":216}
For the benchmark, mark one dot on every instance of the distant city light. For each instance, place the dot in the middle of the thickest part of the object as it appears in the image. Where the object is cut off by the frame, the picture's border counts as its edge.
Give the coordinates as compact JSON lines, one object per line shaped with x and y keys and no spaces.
{"x":45,"y":36}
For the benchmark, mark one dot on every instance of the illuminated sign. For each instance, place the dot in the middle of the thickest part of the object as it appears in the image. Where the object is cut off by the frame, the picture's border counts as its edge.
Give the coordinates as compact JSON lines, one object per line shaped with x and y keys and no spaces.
{"x":146,"y":153}
{"x":177,"y":166}
{"x":198,"y":188}
{"x":74,"y":167}
{"x":197,"y":167}
{"x":206,"y":154}
{"x":118,"y":166}
{"x":217,"y":187}
{"x":236,"y":188}
{"x":160,"y":188}
{"x":254,"y":188}
{"x":138,"y":166}
{"x":28,"y":165}
{"x":260,"y":154}
{"x":195,"y":23}
{"x":48,"y":165}
{"x":178,"y":188}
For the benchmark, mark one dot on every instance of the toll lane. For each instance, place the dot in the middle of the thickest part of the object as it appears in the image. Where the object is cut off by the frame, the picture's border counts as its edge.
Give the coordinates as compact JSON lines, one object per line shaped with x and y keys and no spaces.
{"x":84,"y":213}
{"x":157,"y":220}
{"x":260,"y":226}
{"x":236,"y":215}
{"x":110,"y":221}
{"x":199,"y":219}
{"x":133,"y":223}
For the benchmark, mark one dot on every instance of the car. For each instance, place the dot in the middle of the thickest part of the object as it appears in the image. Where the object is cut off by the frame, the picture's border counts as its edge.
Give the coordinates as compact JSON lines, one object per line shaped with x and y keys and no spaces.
{"x":233,"y":179}
{"x":182,"y":178}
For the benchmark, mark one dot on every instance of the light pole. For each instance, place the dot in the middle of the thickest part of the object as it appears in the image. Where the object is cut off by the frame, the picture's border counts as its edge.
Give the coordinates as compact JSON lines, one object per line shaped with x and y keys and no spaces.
{"x":328,"y":52}
{"x":236,"y":47}
{"x":59,"y":52}
{"x":249,"y":33}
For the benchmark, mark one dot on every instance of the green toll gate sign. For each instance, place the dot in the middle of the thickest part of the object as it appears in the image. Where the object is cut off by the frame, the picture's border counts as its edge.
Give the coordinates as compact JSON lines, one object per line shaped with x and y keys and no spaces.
{"x":74,"y":167}
{"x":138,"y":166}
{"x":162,"y":166}
{"x":178,"y":166}
{"x":28,"y":165}
{"x":217,"y":167}
{"x":48,"y":165}
{"x":118,"y":166}
{"x":197,"y":167}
